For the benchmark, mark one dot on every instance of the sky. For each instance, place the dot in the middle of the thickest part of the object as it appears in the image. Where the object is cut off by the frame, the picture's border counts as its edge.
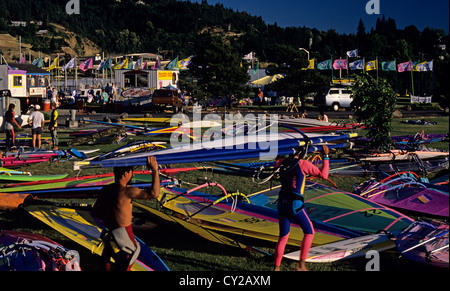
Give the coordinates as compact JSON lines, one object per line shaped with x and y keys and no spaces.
{"x":344,"y":16}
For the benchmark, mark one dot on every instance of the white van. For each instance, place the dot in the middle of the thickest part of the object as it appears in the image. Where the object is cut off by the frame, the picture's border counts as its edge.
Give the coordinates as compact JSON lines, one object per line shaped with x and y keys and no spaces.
{"x":339,"y":98}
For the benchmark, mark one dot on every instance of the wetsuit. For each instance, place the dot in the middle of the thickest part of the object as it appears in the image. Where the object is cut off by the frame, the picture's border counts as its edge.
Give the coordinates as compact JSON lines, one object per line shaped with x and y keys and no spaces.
{"x":119,"y":242}
{"x":291,"y":205}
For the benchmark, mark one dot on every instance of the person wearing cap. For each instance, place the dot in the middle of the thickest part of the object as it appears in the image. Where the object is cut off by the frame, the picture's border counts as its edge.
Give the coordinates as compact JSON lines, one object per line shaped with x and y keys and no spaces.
{"x":36,"y":121}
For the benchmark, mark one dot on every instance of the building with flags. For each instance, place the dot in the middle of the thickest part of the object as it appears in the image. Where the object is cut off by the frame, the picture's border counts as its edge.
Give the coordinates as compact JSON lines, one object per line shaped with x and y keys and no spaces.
{"x":28,"y":83}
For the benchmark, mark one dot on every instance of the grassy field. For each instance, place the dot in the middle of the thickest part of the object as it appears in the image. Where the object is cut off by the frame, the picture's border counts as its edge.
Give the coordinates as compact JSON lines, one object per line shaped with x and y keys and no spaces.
{"x":182,"y":250}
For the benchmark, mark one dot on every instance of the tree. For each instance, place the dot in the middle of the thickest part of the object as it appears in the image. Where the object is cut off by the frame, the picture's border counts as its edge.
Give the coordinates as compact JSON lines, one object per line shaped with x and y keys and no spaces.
{"x":374,"y":102}
{"x":217,"y":68}
{"x":297,"y":82}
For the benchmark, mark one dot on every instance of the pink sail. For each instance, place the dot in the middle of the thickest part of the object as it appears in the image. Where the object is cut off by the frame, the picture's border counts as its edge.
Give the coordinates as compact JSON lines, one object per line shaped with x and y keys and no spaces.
{"x":403,"y":192}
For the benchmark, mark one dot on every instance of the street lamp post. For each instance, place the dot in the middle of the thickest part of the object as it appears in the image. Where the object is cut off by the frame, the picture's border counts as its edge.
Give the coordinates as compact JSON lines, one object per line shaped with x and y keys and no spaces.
{"x":302,"y":49}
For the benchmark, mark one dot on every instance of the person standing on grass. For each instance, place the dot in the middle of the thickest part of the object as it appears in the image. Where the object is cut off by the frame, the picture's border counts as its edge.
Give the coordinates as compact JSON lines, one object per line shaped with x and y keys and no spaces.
{"x":291,"y":206}
{"x":115,"y":207}
{"x":10,"y":122}
{"x":36,"y":121}
{"x":53,"y":125}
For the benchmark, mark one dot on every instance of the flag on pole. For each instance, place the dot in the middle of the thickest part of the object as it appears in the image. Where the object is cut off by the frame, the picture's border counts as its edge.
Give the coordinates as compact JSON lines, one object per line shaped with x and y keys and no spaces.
{"x":389,"y":66}
{"x":70,"y":65}
{"x":173,"y":65}
{"x":137,"y":64}
{"x":423,"y":67}
{"x":22,"y":60}
{"x":249,"y":56}
{"x":38,"y":62}
{"x":325,"y":65}
{"x":54,"y":64}
{"x":405,"y":67}
{"x":256,"y":68}
{"x":123,"y":64}
{"x":340,"y":64}
{"x":157,"y":64}
{"x":357,"y":65}
{"x":88,"y":64}
{"x":106,"y":64}
{"x":372,"y":65}
{"x":184,"y":63}
{"x":427,"y":67}
{"x":353,"y":53}
{"x":310,"y":66}
{"x":144,"y":66}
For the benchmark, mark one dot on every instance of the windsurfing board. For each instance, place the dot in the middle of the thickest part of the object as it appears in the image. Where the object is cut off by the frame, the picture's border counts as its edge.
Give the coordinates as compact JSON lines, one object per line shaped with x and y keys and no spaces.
{"x":201,"y":123}
{"x":81,"y":227}
{"x":242,"y":147}
{"x":148,"y":119}
{"x":29,"y":178}
{"x":403,"y":156}
{"x":205,"y":233}
{"x":346,"y":249}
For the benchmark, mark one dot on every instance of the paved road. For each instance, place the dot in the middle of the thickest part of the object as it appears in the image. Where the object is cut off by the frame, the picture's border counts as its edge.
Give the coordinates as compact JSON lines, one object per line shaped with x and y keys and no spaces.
{"x":345,"y":115}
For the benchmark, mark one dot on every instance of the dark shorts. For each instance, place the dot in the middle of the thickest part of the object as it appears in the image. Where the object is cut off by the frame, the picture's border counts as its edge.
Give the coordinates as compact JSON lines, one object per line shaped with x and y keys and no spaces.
{"x":36,"y":130}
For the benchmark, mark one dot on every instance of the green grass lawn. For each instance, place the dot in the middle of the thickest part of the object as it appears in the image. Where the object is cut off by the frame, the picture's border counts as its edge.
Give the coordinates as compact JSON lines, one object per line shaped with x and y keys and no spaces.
{"x":182,"y":250}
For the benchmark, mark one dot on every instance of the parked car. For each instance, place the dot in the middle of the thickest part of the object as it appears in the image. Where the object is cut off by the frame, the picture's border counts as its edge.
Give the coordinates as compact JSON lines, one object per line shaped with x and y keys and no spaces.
{"x":337,"y":98}
{"x":167,"y":98}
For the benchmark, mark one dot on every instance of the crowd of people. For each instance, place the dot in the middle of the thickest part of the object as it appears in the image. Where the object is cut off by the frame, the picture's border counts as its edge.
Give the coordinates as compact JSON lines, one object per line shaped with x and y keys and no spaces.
{"x":36,"y":121}
{"x":104,"y":96}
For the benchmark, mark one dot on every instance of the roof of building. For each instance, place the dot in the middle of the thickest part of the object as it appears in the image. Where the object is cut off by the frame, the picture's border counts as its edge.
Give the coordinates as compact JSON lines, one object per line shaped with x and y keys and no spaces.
{"x":30,"y":68}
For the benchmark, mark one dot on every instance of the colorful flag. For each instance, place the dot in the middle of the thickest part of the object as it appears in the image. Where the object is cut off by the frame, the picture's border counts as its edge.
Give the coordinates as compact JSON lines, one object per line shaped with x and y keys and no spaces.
{"x":256,"y":68}
{"x":423,"y":67}
{"x":325,"y":65}
{"x":427,"y":66}
{"x":144,"y":66}
{"x":129,"y":66}
{"x":357,"y":65}
{"x":389,"y":66}
{"x":372,"y":65}
{"x":54,"y":65}
{"x":38,"y":62}
{"x":88,"y":64}
{"x":106,"y":64}
{"x":340,"y":64}
{"x":173,"y":65}
{"x":311,"y":65}
{"x":122,"y":65}
{"x":70,"y":65}
{"x":157,"y":64}
{"x":249,"y":56}
{"x":353,"y":53}
{"x":184,"y":63}
{"x":403,"y":67}
{"x":137,"y":64}
{"x":22,"y":60}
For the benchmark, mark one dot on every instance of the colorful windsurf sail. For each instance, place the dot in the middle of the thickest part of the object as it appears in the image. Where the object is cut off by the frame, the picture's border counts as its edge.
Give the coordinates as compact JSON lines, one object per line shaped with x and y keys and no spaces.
{"x":235,"y":148}
{"x":425,"y":242}
{"x":335,"y":214}
{"x":22,"y":251}
{"x":405,"y":191}
{"x":81,"y":227}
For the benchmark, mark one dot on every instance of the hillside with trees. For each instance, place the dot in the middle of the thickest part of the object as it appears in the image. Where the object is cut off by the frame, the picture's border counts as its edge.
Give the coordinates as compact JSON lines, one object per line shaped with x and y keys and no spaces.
{"x":179,"y":28}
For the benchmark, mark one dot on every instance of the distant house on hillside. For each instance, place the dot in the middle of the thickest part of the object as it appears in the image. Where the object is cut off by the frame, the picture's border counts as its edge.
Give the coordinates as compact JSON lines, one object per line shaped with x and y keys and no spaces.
{"x":42,"y":32}
{"x":18,"y":23}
